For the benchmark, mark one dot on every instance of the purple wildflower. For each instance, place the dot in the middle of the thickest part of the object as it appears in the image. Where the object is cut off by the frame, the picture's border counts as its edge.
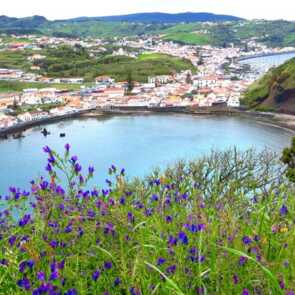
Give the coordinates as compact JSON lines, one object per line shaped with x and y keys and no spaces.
{"x":67,"y":147}
{"x":242,"y":260}
{"x":41,"y":276}
{"x":24,"y":283}
{"x":169,"y":219}
{"x":74,"y":159}
{"x":235,"y":279}
{"x":161,"y":261}
{"x":78,"y":168}
{"x":247,"y":240}
{"x":245,"y":292}
{"x":108,"y":265}
{"x":71,"y":292}
{"x":48,"y":168}
{"x":117,"y":281}
{"x":96,"y":275}
{"x":183,"y":238}
{"x":25,"y":220}
{"x":171,"y":269}
{"x":90,"y":170}
{"x":284,"y":210}
{"x":12,"y":240}
{"x":47,"y":149}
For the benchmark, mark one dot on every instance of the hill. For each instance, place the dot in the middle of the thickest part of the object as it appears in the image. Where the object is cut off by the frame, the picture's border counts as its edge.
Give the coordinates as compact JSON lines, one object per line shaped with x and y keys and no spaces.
{"x":158,"y":17}
{"x":275,"y":91}
{"x":76,"y":62}
{"x":185,"y":28}
{"x":24,"y":25}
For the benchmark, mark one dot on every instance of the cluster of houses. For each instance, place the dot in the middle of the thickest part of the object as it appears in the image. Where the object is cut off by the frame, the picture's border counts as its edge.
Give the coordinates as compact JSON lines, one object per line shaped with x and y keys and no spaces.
{"x":209,"y":86}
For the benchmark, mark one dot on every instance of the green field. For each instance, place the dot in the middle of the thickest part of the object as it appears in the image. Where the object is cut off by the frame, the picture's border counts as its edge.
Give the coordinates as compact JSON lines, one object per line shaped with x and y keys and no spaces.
{"x":188,"y":38}
{"x":15,"y":59}
{"x":16,"y":86}
{"x":76,"y":62}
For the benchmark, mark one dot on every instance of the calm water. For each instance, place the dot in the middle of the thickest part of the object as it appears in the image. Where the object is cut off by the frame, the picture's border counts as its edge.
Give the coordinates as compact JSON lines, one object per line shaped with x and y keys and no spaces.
{"x":263,"y":64}
{"x":138,"y":143}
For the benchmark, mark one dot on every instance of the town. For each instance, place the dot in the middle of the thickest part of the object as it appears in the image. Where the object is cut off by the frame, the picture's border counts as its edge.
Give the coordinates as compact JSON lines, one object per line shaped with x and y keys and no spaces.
{"x":219,"y":80}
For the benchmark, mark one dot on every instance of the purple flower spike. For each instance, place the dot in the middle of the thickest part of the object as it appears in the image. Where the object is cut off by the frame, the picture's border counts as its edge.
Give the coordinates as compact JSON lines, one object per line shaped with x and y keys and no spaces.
{"x":90,"y":170}
{"x":245,"y":292}
{"x":96,"y":275}
{"x":247,"y":240}
{"x":161,"y":261}
{"x":24,"y":283}
{"x":78,"y":168}
{"x":47,"y":149}
{"x":71,"y":292}
{"x":67,"y":147}
{"x":41,"y":276}
{"x":108,"y":265}
{"x":284,"y":210}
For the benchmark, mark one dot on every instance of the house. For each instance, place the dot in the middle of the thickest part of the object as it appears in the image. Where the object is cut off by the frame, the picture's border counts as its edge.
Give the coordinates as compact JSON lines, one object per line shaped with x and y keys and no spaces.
{"x":233,"y":102}
{"x":39,"y":115}
{"x":36,"y":57}
{"x":104,"y":80}
{"x":163,"y":79}
{"x":7,"y":121}
{"x":25,"y":117}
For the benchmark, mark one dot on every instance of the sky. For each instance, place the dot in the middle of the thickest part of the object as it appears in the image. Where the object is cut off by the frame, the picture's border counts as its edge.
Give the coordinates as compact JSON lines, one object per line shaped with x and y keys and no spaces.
{"x":63,"y":9}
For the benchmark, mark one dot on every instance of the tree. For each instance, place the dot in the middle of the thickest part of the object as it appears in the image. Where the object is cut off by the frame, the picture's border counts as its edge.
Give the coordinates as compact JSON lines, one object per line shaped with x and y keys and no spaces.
{"x":288,"y":158}
{"x":188,"y":78}
{"x":130,"y":83}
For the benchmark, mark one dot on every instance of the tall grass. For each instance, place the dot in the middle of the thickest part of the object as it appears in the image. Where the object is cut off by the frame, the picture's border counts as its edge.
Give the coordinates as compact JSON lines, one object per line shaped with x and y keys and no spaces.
{"x":220,"y":225}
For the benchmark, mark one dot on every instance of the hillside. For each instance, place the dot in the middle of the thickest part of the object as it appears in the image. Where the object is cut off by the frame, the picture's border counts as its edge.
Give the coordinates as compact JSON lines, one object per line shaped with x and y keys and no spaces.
{"x":185,"y":28}
{"x":68,"y":62}
{"x":158,"y":17}
{"x":275,"y":91}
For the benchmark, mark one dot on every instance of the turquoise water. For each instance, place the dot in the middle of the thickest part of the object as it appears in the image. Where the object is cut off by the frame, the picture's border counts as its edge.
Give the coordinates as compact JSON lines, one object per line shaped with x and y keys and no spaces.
{"x":137,"y":143}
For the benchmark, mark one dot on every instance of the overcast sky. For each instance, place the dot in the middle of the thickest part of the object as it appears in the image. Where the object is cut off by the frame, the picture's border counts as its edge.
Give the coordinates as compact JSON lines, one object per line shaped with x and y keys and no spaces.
{"x":61,"y":9}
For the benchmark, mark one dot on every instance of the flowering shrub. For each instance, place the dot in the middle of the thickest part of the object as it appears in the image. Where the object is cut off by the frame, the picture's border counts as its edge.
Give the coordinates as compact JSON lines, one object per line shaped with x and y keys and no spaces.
{"x":220,"y":225}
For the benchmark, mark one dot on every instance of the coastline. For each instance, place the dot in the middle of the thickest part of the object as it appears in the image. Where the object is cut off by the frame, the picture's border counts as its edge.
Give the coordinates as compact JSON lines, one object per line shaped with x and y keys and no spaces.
{"x":279,"y":120}
{"x":244,"y":58}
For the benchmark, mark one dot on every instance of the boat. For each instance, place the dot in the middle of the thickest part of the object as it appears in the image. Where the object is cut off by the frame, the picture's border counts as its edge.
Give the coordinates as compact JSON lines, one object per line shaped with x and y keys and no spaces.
{"x":62,"y":135}
{"x":45,"y":132}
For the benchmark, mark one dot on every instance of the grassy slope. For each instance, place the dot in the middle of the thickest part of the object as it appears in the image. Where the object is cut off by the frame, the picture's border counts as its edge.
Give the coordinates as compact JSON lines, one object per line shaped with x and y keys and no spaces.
{"x":65,"y":62}
{"x":16,"y":86}
{"x":274,"y":84}
{"x":188,"y":38}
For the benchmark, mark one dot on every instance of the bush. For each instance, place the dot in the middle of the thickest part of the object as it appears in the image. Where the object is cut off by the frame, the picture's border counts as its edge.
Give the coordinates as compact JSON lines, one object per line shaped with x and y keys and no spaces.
{"x":219,"y":225}
{"x":288,"y":158}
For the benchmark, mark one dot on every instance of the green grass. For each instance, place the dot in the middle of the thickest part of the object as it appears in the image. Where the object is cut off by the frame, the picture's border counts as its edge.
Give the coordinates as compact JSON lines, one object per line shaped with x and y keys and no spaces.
{"x":223,"y":224}
{"x":282,"y":77}
{"x":76,"y":62}
{"x":16,"y":86}
{"x":188,"y":38}
{"x":15,"y":59}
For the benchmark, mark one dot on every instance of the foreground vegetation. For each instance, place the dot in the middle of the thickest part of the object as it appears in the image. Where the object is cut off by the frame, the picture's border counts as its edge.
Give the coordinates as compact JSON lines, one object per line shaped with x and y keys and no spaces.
{"x":219,"y":225}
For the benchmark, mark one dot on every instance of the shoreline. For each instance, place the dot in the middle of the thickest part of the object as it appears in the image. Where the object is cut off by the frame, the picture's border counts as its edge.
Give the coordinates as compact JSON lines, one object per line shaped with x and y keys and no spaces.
{"x":279,"y":120}
{"x":244,"y":58}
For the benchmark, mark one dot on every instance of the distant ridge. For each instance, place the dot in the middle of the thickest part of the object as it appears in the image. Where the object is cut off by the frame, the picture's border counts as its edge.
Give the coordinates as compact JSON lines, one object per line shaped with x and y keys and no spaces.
{"x":158,"y":17}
